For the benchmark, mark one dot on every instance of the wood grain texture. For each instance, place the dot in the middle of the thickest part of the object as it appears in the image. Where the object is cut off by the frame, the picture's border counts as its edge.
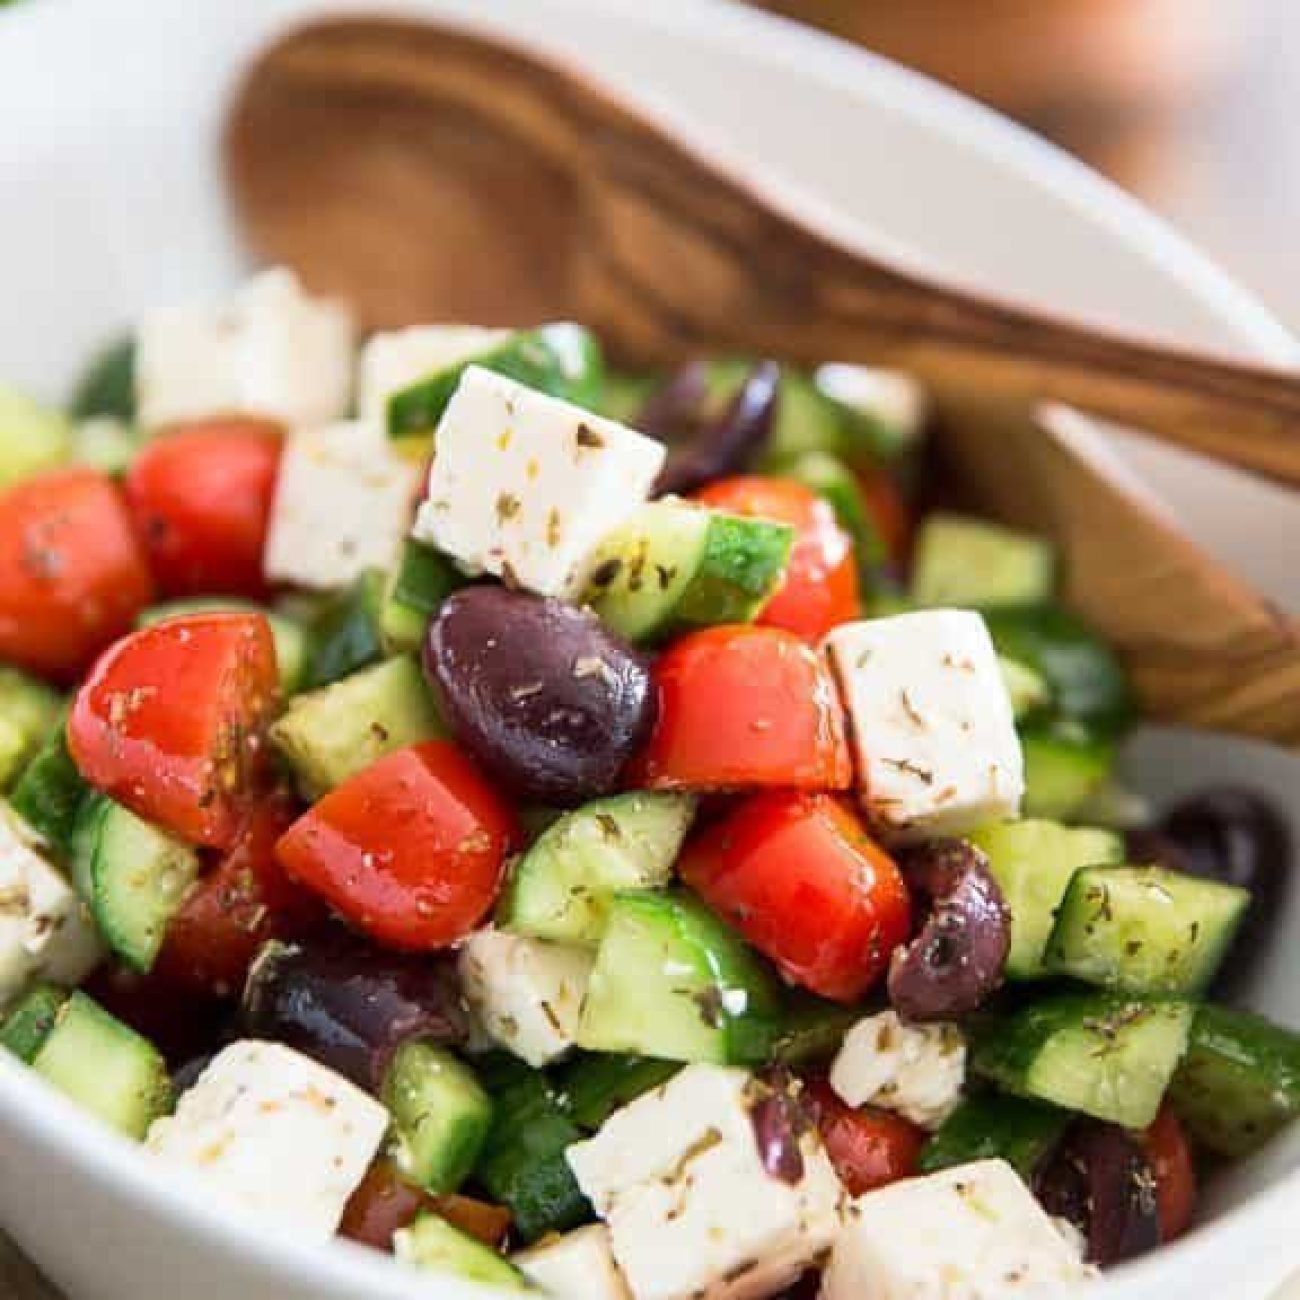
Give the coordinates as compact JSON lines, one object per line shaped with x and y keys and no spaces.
{"x":18,"y":1279}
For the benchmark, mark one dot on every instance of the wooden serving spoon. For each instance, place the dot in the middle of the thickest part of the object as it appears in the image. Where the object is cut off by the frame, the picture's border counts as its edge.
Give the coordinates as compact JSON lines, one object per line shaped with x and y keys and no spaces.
{"x":426,"y":173}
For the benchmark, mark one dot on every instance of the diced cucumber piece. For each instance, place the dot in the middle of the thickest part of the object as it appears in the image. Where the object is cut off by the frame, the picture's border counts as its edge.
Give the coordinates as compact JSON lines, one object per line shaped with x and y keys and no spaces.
{"x":424,"y":578}
{"x":107,"y":385}
{"x":674,"y":565}
{"x":331,"y":734}
{"x":138,"y":877}
{"x":441,"y":1116}
{"x":1028,"y":692}
{"x":30,"y":1020}
{"x":290,"y":637}
{"x":29,"y":711}
{"x":105,"y":1067}
{"x":975,"y":564}
{"x":33,"y":437}
{"x":348,"y":633}
{"x":672,"y":981}
{"x":1239,"y":1083}
{"x":563,"y":887}
{"x":835,"y":483}
{"x":105,"y":444}
{"x":990,"y":1126}
{"x":522,"y":1164}
{"x":1033,"y":862}
{"x":1103,"y":1054}
{"x":433,"y":1243}
{"x":623,"y":396}
{"x":595,"y":1085}
{"x":50,"y":791}
{"x":885,"y":412}
{"x":1144,"y":930}
{"x":562,"y":359}
{"x":1065,"y":767}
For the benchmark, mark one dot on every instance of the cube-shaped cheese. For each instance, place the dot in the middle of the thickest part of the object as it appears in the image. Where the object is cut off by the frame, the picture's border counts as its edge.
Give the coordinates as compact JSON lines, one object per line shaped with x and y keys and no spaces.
{"x":973,"y":1232}
{"x":525,"y":993}
{"x":523,"y":486}
{"x":934,"y":738}
{"x":577,"y":1266}
{"x":916,"y":1070}
{"x":397,"y":359}
{"x":268,"y":1129}
{"x":342,"y":505}
{"x":692,"y":1209}
{"x":272,"y":351}
{"x":45,"y":930}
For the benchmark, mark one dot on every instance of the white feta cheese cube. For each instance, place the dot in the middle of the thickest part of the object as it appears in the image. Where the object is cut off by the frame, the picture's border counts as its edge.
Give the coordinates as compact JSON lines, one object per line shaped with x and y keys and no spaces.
{"x":342,"y":505}
{"x":933,"y":734}
{"x":397,"y":359}
{"x":691,"y":1208}
{"x":45,"y":930}
{"x":272,"y":351}
{"x":269,"y":1130}
{"x":577,"y":1266}
{"x":973,"y":1232}
{"x":524,"y":486}
{"x":526,"y":993}
{"x":915,"y":1070}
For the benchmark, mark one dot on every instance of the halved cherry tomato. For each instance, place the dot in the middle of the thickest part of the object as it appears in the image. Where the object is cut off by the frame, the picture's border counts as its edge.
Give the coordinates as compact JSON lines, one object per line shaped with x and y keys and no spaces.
{"x":201,"y":497}
{"x":869,"y":1148}
{"x":888,"y":512}
{"x":742,"y":707}
{"x":820,"y":589}
{"x":798,"y":876}
{"x":169,"y":722}
{"x":242,"y":902}
{"x":411,"y":850}
{"x":1170,"y":1155}
{"x":72,"y":574}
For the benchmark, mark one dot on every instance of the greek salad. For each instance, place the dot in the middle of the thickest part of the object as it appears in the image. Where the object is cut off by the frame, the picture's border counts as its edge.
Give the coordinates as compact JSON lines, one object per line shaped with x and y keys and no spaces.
{"x":598,"y":834}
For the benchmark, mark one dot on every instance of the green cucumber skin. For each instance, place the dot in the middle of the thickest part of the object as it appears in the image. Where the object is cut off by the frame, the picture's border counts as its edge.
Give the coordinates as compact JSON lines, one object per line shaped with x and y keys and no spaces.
{"x":430,"y":1242}
{"x":742,"y":565}
{"x":50,"y":791}
{"x":107,"y":385}
{"x":29,"y":711}
{"x":988,"y":1126}
{"x":424,"y":578}
{"x":1064,"y":768}
{"x":597,"y":1084}
{"x":348,"y":634}
{"x":30,"y":1020}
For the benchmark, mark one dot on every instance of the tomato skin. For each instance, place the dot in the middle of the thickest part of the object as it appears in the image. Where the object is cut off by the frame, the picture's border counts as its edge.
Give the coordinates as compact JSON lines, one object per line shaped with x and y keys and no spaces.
{"x":1170,"y":1155}
{"x":798,"y":876}
{"x":411,"y":850}
{"x":201,"y":498}
{"x":869,"y":1148}
{"x":742,"y":707}
{"x":169,"y":722}
{"x":820,"y":589}
{"x":72,"y":573}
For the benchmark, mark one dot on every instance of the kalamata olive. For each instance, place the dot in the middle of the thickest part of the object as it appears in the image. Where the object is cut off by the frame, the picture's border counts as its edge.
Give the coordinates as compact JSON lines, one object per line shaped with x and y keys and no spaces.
{"x":701,"y":450}
{"x":1100,"y":1179}
{"x":956,"y":960}
{"x":674,"y":411}
{"x":349,"y":1005}
{"x":780,"y":1118}
{"x":547,"y":700}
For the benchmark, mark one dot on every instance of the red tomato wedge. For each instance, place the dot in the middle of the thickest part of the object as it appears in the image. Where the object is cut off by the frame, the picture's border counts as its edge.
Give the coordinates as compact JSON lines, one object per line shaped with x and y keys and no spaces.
{"x":411,"y":851}
{"x":245,"y":900}
{"x":869,"y":1148}
{"x":201,"y":498}
{"x":820,"y":589}
{"x":72,"y":574}
{"x":743,"y":707}
{"x":798,"y":876}
{"x":169,"y":722}
{"x":1170,"y":1155}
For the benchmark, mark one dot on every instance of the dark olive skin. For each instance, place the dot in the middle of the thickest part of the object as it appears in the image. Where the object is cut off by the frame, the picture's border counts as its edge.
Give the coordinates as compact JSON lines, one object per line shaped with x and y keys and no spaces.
{"x":780,"y":1117}
{"x":545,"y":699}
{"x":1100,"y":1179}
{"x":350,"y":1006}
{"x":956,"y":961}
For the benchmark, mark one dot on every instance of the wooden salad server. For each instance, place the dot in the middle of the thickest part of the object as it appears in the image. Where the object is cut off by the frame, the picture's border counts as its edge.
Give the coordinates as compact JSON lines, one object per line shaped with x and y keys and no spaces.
{"x":429,"y":173}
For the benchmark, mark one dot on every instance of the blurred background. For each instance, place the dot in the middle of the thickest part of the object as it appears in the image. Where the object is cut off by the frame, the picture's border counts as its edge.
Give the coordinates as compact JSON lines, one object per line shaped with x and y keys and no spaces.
{"x":1191,"y":104}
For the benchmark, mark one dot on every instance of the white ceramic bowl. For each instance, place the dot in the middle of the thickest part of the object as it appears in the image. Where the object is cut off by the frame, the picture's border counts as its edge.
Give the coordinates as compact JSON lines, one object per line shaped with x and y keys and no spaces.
{"x":108,"y":122}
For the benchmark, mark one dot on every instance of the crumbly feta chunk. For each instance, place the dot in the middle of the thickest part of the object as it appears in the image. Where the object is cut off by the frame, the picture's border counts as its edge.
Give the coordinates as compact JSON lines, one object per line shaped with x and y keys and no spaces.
{"x":973,"y":1232}
{"x":893,"y":397}
{"x":397,"y":359}
{"x":692,"y":1210}
{"x":271,"y":351}
{"x":577,"y":1266}
{"x":45,"y":930}
{"x":916,"y":1070}
{"x":270,"y":1130}
{"x":524,"y":486}
{"x":526,"y":993}
{"x":934,"y":737}
{"x":342,"y":505}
